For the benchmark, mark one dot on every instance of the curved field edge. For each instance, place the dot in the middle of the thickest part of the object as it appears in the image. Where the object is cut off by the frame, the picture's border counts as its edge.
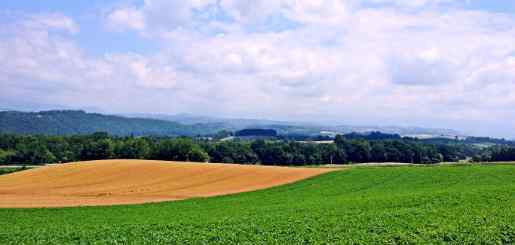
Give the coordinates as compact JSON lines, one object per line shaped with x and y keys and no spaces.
{"x":10,"y":170}
{"x":443,"y":204}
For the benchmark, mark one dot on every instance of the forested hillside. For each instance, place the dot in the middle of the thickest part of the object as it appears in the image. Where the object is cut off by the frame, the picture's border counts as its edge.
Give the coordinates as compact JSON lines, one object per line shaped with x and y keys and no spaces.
{"x":80,"y":122}
{"x":73,"y":122}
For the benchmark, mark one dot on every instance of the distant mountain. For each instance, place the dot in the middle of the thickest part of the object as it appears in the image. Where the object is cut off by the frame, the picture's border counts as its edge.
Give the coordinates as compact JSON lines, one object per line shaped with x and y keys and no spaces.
{"x":69,"y":122}
{"x":301,"y":128}
{"x":66,"y":122}
{"x":229,"y":123}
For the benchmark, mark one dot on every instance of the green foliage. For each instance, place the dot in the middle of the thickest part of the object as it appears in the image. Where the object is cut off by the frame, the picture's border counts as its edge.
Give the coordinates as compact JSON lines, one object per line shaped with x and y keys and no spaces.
{"x":181,"y":149}
{"x":333,"y":154}
{"x":133,"y":148}
{"x":46,"y":149}
{"x":6,"y":156}
{"x":498,"y":153}
{"x":98,"y":150}
{"x":33,"y":152}
{"x":80,"y":122}
{"x":231,"y":152}
{"x":197,"y":154}
{"x":395,"y":205}
{"x":11,"y":170}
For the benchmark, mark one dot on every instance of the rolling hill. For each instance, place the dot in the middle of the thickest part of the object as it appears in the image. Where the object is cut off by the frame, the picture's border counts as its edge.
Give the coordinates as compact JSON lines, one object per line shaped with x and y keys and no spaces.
{"x":299,"y":128}
{"x":393,"y":205}
{"x":70,"y":122}
{"x":79,"y":122}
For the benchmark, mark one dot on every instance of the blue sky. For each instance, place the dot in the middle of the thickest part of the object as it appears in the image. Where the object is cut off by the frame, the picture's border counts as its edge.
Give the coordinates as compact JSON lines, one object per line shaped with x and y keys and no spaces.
{"x":432,"y":63}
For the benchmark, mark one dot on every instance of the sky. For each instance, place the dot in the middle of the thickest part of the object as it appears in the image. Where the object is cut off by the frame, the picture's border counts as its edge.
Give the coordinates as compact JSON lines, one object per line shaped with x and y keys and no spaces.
{"x":428,"y":63}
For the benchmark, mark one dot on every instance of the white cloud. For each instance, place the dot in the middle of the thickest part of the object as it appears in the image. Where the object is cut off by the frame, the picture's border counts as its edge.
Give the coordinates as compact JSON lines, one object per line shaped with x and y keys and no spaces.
{"x":326,"y":12}
{"x":243,"y":10}
{"x":342,"y":61}
{"x":50,"y":68}
{"x":52,"y":21}
{"x":155,"y":15}
{"x":415,"y":3}
{"x":428,"y":67}
{"x":126,"y":18}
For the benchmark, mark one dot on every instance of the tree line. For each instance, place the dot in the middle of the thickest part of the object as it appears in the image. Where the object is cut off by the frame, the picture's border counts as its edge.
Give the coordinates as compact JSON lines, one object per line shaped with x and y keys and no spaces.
{"x":39,"y":149}
{"x":497,"y":153}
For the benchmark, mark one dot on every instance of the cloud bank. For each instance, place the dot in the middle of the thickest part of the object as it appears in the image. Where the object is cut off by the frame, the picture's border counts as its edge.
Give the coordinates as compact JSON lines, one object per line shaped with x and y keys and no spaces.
{"x":425,"y":62}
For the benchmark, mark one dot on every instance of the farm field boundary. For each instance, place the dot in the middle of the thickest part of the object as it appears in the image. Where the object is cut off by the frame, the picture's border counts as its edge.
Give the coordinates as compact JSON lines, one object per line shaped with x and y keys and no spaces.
{"x":112,"y":182}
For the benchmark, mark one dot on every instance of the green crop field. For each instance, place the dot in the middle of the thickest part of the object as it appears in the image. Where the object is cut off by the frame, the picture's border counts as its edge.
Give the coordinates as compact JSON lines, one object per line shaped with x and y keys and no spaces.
{"x":440,"y":204}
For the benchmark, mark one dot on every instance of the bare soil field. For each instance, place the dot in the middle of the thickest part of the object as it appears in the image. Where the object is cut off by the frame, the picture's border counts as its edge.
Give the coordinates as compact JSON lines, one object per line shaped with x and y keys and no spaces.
{"x":113,"y":182}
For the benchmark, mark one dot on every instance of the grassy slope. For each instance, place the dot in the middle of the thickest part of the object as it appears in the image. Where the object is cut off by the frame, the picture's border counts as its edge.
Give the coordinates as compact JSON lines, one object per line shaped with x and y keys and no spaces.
{"x":10,"y":170}
{"x":465,"y":204}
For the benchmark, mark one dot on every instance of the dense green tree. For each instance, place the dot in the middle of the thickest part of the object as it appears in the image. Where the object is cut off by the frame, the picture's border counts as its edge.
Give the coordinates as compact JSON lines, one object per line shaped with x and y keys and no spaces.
{"x":9,"y":141}
{"x":132,"y":148}
{"x":60,"y":148}
{"x":496,"y":154}
{"x":359,"y":151}
{"x":45,"y":149}
{"x":378,"y":152}
{"x":197,"y":154}
{"x":232,"y":152}
{"x":6,"y":156}
{"x":33,"y":153}
{"x":179,"y":150}
{"x":340,"y":141}
{"x":97,"y":150}
{"x":331,"y":154}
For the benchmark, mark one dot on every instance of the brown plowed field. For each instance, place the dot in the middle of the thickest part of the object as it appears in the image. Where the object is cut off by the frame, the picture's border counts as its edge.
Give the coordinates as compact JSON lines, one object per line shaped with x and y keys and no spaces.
{"x":114,"y":182}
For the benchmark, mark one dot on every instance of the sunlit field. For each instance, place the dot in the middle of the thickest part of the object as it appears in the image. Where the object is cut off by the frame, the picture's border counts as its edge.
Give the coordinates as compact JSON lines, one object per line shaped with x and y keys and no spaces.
{"x":438,"y":204}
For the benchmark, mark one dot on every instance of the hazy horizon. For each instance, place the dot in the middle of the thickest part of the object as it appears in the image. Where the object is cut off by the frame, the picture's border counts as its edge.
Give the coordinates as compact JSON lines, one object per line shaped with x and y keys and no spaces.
{"x":264,"y":121}
{"x":427,"y":63}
